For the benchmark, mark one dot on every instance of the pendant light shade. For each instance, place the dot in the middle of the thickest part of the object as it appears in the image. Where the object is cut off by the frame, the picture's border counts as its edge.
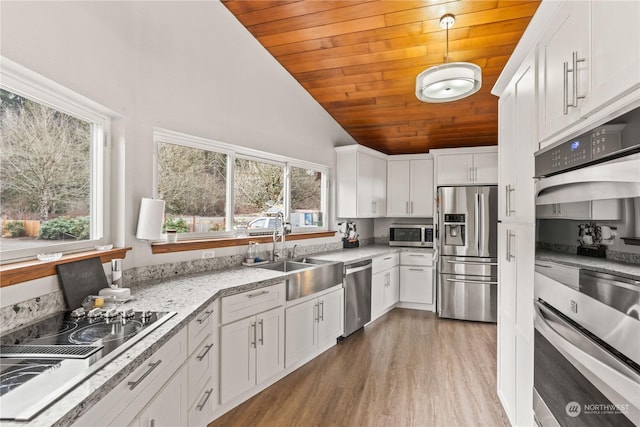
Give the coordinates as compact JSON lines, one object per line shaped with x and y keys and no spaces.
{"x":449,"y":81}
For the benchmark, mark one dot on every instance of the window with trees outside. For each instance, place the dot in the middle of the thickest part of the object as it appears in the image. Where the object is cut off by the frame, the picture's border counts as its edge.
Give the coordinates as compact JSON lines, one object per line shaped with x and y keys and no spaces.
{"x":51,"y":162}
{"x":221,"y":190}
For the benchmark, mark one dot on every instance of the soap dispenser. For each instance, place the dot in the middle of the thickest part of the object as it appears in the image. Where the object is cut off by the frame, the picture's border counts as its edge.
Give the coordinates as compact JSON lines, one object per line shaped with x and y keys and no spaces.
{"x":116,"y":289}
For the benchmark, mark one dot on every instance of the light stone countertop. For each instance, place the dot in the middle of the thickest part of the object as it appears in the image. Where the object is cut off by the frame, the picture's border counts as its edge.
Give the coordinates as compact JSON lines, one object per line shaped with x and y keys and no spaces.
{"x":187,"y":296}
{"x":602,"y":265}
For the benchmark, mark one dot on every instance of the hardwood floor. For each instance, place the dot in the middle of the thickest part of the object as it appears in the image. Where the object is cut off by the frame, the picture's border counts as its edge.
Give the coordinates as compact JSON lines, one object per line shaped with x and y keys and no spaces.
{"x":408,"y":368}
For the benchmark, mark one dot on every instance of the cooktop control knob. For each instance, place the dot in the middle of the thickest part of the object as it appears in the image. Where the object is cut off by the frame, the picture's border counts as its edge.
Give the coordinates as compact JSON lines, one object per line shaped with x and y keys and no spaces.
{"x":96,"y":312}
{"x":146,"y":314}
{"x":111,"y":313}
{"x":127,"y":313}
{"x":78,"y":312}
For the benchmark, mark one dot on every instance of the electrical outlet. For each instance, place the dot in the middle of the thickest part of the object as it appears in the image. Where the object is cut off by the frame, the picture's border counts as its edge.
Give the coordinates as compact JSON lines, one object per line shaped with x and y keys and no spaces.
{"x":208,"y":254}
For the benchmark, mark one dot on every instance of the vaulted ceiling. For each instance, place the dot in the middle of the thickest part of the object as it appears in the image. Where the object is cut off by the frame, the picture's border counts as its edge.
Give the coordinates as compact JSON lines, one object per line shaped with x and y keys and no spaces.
{"x":359,"y":60}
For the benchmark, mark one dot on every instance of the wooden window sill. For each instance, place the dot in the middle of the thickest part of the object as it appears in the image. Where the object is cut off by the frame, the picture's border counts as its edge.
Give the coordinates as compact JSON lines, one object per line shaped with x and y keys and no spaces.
{"x":11,"y":274}
{"x":194,"y":245}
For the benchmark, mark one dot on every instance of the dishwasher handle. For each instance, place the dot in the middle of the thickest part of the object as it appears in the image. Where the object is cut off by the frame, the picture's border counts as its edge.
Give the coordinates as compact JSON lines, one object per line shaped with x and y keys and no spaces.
{"x":358,"y":266}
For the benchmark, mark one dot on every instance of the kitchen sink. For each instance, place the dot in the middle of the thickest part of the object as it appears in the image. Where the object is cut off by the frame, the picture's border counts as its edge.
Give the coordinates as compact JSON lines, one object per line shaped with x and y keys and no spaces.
{"x":286,"y":266}
{"x":308,"y":275}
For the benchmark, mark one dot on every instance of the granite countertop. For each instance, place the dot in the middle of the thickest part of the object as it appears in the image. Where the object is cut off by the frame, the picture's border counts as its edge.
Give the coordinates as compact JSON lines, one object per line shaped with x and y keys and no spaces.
{"x":602,"y":265}
{"x":186,"y":295}
{"x":353,"y":255}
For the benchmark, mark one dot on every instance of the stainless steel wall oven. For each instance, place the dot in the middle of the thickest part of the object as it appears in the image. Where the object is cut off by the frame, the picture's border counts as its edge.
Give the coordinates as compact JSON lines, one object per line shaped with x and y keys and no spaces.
{"x":587,"y":278}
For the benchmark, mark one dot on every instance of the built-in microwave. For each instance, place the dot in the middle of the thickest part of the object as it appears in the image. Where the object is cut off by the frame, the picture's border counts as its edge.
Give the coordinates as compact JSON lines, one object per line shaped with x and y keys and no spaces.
{"x":413,"y":235}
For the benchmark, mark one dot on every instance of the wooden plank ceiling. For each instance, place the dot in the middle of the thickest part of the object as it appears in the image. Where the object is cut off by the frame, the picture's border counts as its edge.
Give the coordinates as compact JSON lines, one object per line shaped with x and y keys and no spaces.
{"x":359,"y":60}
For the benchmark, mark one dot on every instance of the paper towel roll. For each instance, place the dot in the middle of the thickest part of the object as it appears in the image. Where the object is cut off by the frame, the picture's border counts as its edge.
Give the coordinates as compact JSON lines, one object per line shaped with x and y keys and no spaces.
{"x":150,"y":219}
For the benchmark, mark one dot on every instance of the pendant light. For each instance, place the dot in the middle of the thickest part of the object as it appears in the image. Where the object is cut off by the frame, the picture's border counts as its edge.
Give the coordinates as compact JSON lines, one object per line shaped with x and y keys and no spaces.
{"x":449,"y":81}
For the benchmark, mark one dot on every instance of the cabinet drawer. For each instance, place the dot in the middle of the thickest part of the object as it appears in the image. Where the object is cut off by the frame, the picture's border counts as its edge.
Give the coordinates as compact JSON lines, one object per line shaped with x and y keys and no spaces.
{"x":416,"y":258}
{"x":385,"y":262}
{"x":202,"y":325}
{"x":201,"y":409}
{"x":200,"y":366}
{"x":247,"y":304}
{"x":132,"y":394}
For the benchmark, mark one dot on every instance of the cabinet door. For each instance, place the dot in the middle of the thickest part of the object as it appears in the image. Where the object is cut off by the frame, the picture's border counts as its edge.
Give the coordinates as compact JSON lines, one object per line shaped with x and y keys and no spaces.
{"x":575,"y":210}
{"x":615,"y":51}
{"x":330,"y":324}
{"x":568,"y":33}
{"x":378,"y":288}
{"x":392,"y":291}
{"x":300,"y":331}
{"x":416,"y":284}
{"x":454,"y":169}
{"x":269,"y":344}
{"x":379,"y":187}
{"x":398,"y":187}
{"x":485,"y":167}
{"x":506,"y":154}
{"x":169,"y":407}
{"x":421,"y":203}
{"x":237,"y":358}
{"x":507,"y":365}
{"x":364,"y":186}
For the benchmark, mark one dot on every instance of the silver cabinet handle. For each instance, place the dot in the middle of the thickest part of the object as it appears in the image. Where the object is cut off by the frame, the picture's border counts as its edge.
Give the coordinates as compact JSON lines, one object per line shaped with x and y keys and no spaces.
{"x":411,"y":210}
{"x":321,"y":311}
{"x":261,"y":322}
{"x":575,"y":78}
{"x":153,"y":423}
{"x":389,"y":257}
{"x":416,"y":269}
{"x":205,"y":317}
{"x":406,"y":207}
{"x":207,"y":395}
{"x":152,"y":366}
{"x":316,"y":312}
{"x":257,"y":294}
{"x":418,"y":255}
{"x":509,"y":256}
{"x":508,"y":190}
{"x":206,"y":350}
{"x":565,"y":88}
{"x":253,"y":343}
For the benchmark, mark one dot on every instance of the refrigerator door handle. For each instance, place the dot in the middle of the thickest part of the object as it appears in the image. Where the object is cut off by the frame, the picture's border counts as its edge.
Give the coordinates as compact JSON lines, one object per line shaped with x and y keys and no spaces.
{"x":477,"y":219}
{"x":483,"y":231}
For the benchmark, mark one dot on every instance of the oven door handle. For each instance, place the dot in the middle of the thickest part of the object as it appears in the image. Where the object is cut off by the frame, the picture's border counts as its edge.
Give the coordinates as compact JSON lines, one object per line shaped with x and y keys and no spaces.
{"x":592,"y":361}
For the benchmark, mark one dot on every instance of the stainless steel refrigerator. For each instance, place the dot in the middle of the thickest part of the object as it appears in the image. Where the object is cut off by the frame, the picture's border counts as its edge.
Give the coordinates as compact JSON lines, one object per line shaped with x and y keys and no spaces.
{"x":467,"y":253}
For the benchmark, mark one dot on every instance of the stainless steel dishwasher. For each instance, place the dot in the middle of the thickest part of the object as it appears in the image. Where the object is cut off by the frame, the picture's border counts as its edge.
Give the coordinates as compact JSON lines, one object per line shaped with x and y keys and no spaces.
{"x":357,"y":296}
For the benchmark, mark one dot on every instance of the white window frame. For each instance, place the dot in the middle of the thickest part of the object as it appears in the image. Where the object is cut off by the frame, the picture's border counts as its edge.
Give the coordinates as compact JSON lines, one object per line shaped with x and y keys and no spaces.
{"x":28,"y":84}
{"x":233,"y":152}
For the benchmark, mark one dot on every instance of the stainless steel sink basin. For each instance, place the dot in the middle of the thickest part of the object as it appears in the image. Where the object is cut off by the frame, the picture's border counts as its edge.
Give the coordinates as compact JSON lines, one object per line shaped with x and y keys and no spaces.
{"x":308,"y":276}
{"x":286,"y":266}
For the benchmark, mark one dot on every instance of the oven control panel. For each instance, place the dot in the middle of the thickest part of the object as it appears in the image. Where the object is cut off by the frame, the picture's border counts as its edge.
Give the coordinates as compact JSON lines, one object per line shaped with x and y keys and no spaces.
{"x":593,"y":145}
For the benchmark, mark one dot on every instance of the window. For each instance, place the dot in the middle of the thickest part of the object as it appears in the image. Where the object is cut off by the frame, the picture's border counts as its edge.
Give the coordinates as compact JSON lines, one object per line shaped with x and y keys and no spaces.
{"x":192,"y":182}
{"x":307,"y":197}
{"x":217,"y":190}
{"x":52,"y":163}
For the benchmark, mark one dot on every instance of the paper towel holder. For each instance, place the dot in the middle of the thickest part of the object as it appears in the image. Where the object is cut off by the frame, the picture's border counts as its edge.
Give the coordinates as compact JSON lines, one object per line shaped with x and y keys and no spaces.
{"x":150,"y":219}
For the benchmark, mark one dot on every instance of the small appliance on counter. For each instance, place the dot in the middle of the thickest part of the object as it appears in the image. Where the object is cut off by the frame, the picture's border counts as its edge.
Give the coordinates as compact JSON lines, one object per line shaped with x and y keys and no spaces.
{"x":589,"y":241}
{"x":349,"y":234}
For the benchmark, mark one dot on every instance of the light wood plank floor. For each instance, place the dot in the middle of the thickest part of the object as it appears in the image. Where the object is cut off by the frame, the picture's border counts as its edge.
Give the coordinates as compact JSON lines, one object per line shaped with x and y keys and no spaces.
{"x":408,"y":368}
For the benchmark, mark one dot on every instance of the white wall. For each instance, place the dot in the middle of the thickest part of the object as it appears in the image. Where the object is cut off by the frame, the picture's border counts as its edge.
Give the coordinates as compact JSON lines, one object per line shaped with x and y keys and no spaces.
{"x":190,"y":67}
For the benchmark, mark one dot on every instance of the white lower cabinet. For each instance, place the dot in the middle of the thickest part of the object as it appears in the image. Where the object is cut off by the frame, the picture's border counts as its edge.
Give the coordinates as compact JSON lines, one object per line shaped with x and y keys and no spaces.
{"x":169,"y":407}
{"x":385,"y":284}
{"x":139,"y":392}
{"x":416,"y":277}
{"x":313,"y":325}
{"x":251,"y":351}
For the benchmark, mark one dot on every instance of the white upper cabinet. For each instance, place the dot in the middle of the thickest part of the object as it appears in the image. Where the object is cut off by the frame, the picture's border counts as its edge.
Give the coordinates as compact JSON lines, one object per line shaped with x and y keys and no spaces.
{"x":463,"y":167}
{"x":564,"y":60}
{"x":589,"y":57}
{"x":361,"y":183}
{"x":409,"y":187}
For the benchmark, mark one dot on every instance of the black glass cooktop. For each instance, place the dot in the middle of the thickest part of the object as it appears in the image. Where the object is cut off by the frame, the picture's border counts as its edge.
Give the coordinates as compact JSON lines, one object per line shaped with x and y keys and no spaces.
{"x":41,"y":362}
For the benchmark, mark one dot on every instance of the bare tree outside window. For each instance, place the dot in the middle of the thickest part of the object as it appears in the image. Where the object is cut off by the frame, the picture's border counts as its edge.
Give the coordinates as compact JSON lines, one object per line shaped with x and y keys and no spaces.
{"x":306,"y":197}
{"x":45,"y":174}
{"x":258,"y":189}
{"x":193,"y":183}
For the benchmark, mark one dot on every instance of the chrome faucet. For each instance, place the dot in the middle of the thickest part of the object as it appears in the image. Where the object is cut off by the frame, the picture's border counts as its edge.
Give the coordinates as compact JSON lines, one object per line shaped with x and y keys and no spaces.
{"x":278,"y":229}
